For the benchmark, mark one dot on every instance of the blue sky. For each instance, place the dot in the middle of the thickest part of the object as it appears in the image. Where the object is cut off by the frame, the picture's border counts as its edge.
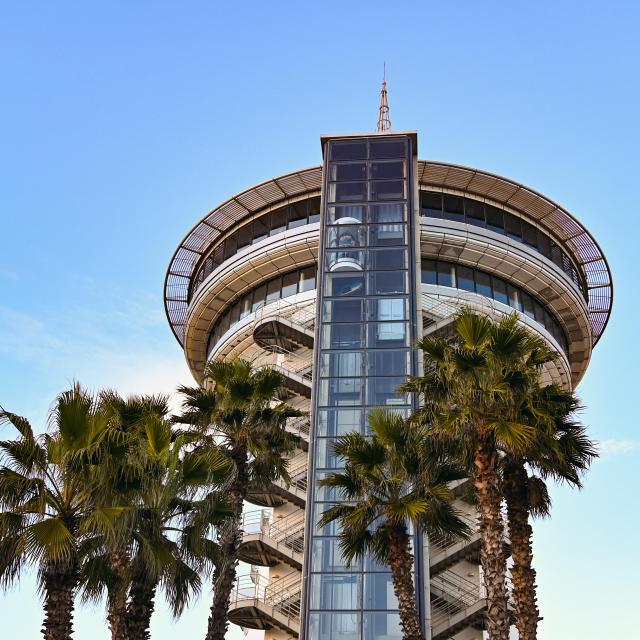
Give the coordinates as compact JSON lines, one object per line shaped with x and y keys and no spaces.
{"x":122,"y":123}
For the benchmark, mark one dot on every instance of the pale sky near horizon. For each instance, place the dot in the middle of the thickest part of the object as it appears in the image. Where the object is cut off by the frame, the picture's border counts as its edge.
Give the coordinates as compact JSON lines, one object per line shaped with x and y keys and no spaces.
{"x":122,"y":123}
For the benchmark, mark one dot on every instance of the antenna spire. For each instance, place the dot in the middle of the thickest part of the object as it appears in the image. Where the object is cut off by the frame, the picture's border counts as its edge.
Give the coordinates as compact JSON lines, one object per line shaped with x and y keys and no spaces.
{"x":384,"y":122}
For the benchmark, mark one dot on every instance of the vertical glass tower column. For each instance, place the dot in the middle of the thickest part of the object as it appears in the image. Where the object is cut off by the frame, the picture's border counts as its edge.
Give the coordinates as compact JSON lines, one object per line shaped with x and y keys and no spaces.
{"x":367,"y":322}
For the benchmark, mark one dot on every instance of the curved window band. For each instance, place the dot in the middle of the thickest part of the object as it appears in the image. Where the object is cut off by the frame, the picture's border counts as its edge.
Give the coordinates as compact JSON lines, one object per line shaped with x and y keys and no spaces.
{"x":438,"y":272}
{"x":480,"y":214}
{"x":448,"y":274}
{"x":432,"y":204}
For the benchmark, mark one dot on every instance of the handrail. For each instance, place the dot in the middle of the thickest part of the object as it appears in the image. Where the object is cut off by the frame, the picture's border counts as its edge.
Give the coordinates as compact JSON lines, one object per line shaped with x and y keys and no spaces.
{"x":444,"y":542}
{"x":288,"y":531}
{"x":282,"y":595}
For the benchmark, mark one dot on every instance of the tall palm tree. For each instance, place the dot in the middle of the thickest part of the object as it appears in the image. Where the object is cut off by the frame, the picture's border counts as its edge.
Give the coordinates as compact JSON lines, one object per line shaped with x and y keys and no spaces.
{"x":562,"y":451}
{"x":392,"y":483}
{"x":469,"y":392}
{"x":171,"y":502}
{"x":240,"y":413}
{"x":47,"y":516}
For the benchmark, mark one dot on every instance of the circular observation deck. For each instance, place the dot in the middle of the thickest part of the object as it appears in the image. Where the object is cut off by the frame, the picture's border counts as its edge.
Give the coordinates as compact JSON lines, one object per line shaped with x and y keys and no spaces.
{"x":558,"y":223}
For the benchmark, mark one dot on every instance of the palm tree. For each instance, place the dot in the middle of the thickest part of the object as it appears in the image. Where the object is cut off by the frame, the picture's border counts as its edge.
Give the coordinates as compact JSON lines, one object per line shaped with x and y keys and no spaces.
{"x":392,"y":483}
{"x":562,"y":451}
{"x":47,"y":516}
{"x":240,"y":413}
{"x":170,"y":504}
{"x":469,"y":392}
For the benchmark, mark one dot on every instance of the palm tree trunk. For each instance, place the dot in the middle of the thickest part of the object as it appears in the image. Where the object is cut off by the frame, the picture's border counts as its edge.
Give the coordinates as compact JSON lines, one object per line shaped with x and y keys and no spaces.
{"x":140,"y":608}
{"x":59,"y":586}
{"x":523,"y":574}
{"x":230,"y":539}
{"x":402,"y":572}
{"x":117,"y":598}
{"x":492,"y":557}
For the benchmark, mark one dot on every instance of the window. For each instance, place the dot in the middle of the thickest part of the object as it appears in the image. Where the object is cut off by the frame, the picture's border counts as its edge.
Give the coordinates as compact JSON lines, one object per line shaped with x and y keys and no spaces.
{"x":348,"y":150}
{"x":335,"y":591}
{"x":429,"y":272}
{"x":338,"y":422}
{"x":344,"y":260}
{"x":340,"y":365}
{"x":386,"y":234}
{"x":387,"y":190}
{"x":326,"y":557}
{"x":326,"y":457}
{"x":500,"y":290}
{"x":260,"y":230}
{"x":378,"y":625}
{"x":290,"y":284}
{"x":495,"y":218}
{"x":258,"y":297}
{"x":529,"y":234}
{"x":389,"y":309}
{"x":431,"y":204}
{"x":387,"y":282}
{"x":483,"y":284}
{"x":344,"y":191}
{"x":334,"y":626}
{"x":388,"y":363}
{"x":388,"y":334}
{"x":387,"y":149}
{"x":513,"y":227}
{"x":307,"y":279}
{"x":273,"y":290}
{"x":350,"y":171}
{"x":387,"y":259}
{"x":278,"y":222}
{"x":378,"y":592}
{"x":343,"y":311}
{"x":465,"y":278}
{"x":454,"y":208}
{"x":344,"y":284}
{"x":446,"y":274}
{"x":383,"y":391}
{"x":392,"y":212}
{"x":345,"y":236}
{"x":474,"y":212}
{"x":348,"y":213}
{"x":342,"y":336}
{"x":386,"y":170}
{"x":340,"y":391}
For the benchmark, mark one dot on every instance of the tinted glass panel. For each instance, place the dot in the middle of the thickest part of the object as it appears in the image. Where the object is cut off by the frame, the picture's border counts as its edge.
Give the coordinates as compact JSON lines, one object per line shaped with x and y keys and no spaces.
{"x":431,"y":204}
{"x":391,"y":363}
{"x":429,"y":272}
{"x":512,"y":226}
{"x":335,"y":592}
{"x":454,"y":208}
{"x":387,"y":149}
{"x":349,"y":151}
{"x":386,"y":259}
{"x":388,"y":282}
{"x":474,"y":211}
{"x":483,"y":284}
{"x":446,"y":274}
{"x":341,"y":365}
{"x":386,"y":234}
{"x":342,"y":191}
{"x":347,"y":213}
{"x":343,"y":311}
{"x":385,"y":170}
{"x":334,"y":626}
{"x":345,"y":236}
{"x":338,"y":422}
{"x":344,"y":284}
{"x":307,"y":279}
{"x":326,"y":557}
{"x":290,"y":284}
{"x":342,"y":336}
{"x":495,"y":218}
{"x":465,"y":278}
{"x":377,"y":625}
{"x":386,"y":212}
{"x":378,"y":592}
{"x":500,"y":290}
{"x":387,"y":190}
{"x":351,"y":171}
{"x":388,"y":335}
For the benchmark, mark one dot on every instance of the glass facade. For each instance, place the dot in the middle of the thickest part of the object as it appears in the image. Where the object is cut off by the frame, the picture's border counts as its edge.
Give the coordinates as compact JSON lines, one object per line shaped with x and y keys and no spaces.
{"x":480,"y":214}
{"x":269,"y":224}
{"x":367,"y":311}
{"x":447,"y":274}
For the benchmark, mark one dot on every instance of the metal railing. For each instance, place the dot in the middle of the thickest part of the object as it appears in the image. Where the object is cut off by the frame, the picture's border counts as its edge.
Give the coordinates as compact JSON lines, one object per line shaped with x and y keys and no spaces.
{"x":282,"y":595}
{"x":288,"y":531}
{"x":299,"y":426}
{"x":300,"y":312}
{"x":456,"y":594}
{"x":298,"y":469}
{"x":299,"y":362}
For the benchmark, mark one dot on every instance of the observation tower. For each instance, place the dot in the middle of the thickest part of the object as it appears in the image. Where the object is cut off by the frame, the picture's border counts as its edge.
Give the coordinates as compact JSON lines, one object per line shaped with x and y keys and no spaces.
{"x":329,"y":274}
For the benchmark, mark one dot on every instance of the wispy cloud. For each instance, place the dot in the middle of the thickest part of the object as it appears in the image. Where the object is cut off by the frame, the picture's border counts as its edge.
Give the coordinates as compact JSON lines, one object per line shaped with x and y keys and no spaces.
{"x":615,"y":447}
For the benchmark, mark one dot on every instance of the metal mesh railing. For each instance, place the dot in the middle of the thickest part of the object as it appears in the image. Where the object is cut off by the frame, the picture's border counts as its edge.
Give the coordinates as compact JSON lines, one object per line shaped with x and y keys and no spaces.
{"x":288,"y":531}
{"x":451,"y":596}
{"x":282,"y":595}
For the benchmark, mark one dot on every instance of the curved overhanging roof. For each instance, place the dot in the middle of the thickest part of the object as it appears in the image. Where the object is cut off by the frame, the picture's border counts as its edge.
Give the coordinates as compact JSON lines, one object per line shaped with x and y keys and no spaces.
{"x":578,"y":242}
